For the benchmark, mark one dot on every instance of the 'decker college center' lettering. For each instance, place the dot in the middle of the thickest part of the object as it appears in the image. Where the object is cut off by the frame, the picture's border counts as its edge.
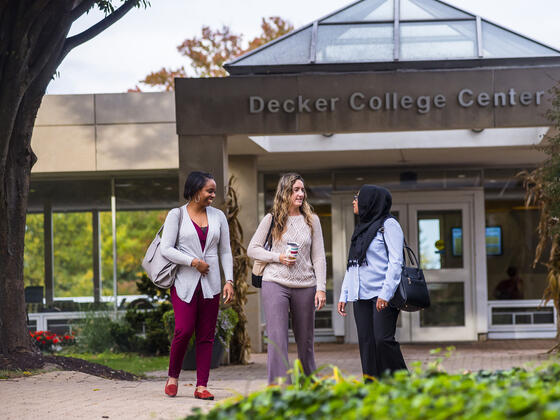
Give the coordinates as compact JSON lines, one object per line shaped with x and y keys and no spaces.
{"x":392,"y":101}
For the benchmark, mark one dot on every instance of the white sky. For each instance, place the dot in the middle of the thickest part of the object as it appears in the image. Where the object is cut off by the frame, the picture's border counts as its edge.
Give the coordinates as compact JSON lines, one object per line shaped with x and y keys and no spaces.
{"x":146,"y":39}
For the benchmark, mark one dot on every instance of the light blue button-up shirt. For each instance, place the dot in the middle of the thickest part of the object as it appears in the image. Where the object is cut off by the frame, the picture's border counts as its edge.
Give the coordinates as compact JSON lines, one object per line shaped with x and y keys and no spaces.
{"x":381,"y":276}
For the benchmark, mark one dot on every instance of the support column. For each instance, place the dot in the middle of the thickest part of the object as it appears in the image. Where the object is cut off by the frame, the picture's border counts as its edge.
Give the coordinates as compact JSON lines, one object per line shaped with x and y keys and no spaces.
{"x":244,"y":168}
{"x":49,"y":254}
{"x":207,"y":154}
{"x":96,"y":244}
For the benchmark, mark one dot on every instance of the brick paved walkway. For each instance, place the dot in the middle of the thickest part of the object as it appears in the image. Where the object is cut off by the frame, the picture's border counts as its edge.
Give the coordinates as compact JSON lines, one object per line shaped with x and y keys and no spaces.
{"x":72,"y":395}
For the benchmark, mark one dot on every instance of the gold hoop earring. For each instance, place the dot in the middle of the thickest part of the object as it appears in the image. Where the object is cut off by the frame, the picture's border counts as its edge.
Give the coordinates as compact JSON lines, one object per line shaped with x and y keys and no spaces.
{"x":197,"y":199}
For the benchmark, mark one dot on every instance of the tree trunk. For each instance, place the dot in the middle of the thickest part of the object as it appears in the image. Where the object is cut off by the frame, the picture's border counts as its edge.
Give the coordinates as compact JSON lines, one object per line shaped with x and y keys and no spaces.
{"x":25,"y":86}
{"x":13,"y":330}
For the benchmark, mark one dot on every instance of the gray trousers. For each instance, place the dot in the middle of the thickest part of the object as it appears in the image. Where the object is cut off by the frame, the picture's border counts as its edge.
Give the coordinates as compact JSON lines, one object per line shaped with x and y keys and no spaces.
{"x":279,"y":302}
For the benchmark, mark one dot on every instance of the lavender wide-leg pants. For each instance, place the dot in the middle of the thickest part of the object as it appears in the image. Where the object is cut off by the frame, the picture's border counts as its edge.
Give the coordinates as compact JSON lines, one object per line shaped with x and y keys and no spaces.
{"x":279,"y":302}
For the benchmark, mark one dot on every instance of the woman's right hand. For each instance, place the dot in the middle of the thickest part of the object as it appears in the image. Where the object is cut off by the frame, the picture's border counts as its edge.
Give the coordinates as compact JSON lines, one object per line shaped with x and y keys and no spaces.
{"x":286,"y":261}
{"x":201,"y":265}
{"x":341,"y":308}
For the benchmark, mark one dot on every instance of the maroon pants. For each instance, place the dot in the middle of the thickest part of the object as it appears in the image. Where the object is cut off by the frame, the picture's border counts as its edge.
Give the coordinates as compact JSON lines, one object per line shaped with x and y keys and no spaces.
{"x":198,"y":316}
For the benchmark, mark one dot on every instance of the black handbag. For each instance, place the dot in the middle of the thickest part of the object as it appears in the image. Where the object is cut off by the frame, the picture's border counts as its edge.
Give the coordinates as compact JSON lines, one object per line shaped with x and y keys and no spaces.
{"x":412,"y":292}
{"x":258,"y":266}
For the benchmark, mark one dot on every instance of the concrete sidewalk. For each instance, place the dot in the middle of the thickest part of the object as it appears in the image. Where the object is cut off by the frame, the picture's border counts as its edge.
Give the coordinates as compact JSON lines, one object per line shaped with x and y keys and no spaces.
{"x":74,"y":395}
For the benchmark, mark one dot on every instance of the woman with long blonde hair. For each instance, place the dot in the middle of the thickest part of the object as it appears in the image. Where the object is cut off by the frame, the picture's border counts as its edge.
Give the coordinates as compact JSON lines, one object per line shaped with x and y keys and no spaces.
{"x":294,"y":280}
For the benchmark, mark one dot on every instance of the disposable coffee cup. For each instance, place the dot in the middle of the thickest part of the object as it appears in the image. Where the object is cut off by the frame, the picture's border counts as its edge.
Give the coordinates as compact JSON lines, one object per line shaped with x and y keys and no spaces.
{"x":292,"y":250}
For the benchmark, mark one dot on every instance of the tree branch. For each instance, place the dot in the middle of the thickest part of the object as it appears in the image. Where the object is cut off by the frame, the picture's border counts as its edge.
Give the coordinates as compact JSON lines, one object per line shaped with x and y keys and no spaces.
{"x":81,"y":8}
{"x":99,"y":27}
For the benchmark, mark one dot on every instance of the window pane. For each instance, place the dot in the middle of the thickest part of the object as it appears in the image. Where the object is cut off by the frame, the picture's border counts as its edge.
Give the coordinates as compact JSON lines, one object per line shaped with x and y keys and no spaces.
{"x":34,"y":254}
{"x":523,"y":319}
{"x":291,"y":50}
{"x":429,"y":9}
{"x":135,"y":231}
{"x":498,"y":42}
{"x":346,"y":43}
{"x":502,"y":319}
{"x":447,"y":307}
{"x":73,"y":260}
{"x":511,"y":274}
{"x":440,"y":241}
{"x":543,"y":318}
{"x":372,"y":10}
{"x":438,"y":40}
{"x":106,"y":241}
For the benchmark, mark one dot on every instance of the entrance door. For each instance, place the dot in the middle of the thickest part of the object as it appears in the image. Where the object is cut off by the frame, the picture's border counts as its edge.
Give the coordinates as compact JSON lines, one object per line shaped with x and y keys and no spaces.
{"x":439,"y":229}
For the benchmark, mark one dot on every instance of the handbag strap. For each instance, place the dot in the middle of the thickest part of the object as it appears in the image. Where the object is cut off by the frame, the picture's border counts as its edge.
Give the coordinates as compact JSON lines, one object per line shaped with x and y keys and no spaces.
{"x":178,"y":230}
{"x":411,"y":255}
{"x":268,"y":239}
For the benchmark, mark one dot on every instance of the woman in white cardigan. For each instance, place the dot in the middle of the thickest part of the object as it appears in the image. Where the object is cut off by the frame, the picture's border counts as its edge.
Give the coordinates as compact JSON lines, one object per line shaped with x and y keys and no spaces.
{"x":203,"y":234}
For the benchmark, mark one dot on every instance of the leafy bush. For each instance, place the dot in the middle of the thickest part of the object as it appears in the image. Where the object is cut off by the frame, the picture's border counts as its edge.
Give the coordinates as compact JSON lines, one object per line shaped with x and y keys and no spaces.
{"x":94,"y":333}
{"x":418,"y":395}
{"x":227,"y":320}
{"x":124,"y":338}
{"x":169,"y":324}
{"x":150,"y":324}
{"x":139,"y":331}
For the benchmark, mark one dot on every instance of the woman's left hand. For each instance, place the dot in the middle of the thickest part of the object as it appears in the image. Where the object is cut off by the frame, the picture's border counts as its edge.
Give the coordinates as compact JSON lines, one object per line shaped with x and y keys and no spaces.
{"x":381,"y":304}
{"x":228,"y":292}
{"x":320,"y":299}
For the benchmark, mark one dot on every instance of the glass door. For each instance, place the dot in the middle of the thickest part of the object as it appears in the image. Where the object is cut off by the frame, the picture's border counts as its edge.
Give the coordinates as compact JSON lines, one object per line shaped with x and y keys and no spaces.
{"x":441,"y":236}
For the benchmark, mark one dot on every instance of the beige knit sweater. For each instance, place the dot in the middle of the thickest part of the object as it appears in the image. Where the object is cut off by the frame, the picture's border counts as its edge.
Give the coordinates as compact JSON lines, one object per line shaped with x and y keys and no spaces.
{"x":310,"y":268}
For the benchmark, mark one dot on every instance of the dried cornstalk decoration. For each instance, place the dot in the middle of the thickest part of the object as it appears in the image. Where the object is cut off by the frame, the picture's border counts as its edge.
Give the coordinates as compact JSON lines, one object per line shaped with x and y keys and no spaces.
{"x":542,"y":187}
{"x":240,"y":343}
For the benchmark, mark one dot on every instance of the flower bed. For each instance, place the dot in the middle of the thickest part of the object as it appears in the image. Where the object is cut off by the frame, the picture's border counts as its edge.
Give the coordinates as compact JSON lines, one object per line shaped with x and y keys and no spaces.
{"x":49,"y":341}
{"x":418,"y":395}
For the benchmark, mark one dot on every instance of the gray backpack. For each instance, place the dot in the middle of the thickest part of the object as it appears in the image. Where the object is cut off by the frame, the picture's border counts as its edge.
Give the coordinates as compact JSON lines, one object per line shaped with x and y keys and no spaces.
{"x":159,"y":269}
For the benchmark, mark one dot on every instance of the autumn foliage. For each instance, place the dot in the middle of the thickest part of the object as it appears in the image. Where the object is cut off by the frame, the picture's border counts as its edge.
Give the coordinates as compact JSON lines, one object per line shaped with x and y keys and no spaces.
{"x":208,"y":52}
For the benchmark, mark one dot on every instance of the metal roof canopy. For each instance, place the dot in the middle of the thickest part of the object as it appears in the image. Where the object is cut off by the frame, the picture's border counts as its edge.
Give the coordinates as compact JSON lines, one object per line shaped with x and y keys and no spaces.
{"x":394,"y":34}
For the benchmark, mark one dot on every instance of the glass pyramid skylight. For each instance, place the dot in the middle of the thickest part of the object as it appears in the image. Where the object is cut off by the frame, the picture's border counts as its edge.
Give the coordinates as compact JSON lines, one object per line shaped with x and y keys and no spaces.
{"x":369,"y":31}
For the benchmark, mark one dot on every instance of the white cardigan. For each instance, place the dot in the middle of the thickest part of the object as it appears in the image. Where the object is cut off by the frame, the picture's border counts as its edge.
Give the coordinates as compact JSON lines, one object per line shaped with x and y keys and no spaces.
{"x":188,"y":248}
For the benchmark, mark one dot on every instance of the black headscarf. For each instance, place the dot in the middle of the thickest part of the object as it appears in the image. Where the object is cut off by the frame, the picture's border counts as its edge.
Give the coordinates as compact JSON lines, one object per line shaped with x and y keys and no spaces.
{"x":374,"y":206}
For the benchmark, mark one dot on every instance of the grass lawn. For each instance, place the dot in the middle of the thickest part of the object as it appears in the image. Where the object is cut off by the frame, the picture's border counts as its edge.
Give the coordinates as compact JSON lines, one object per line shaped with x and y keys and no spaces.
{"x":130,"y":362}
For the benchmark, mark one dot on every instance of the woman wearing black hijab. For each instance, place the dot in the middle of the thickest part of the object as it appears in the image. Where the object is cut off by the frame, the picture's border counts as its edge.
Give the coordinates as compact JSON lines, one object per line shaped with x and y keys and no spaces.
{"x":372,"y":276}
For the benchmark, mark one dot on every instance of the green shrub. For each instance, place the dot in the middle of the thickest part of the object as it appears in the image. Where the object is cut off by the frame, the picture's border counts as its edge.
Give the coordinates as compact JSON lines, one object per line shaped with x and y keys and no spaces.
{"x":169,"y":324}
{"x":93,"y":333}
{"x":98,"y":332}
{"x":227,"y":320}
{"x":124,"y":338}
{"x":150,"y":325}
{"x":418,"y":395}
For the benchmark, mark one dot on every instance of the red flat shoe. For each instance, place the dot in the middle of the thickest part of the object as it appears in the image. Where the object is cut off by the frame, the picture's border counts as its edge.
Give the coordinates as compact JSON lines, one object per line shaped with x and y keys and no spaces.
{"x":170,"y":389}
{"x":203,"y":395}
